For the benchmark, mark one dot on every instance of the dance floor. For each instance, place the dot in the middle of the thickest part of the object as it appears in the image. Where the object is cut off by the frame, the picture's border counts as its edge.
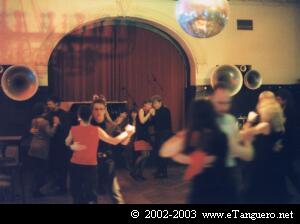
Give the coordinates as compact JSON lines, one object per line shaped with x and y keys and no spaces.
{"x":152,"y":191}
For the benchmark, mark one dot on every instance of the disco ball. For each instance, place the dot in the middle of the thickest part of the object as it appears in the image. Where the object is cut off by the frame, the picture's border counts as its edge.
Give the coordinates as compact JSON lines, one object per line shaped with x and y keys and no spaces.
{"x":202,"y":18}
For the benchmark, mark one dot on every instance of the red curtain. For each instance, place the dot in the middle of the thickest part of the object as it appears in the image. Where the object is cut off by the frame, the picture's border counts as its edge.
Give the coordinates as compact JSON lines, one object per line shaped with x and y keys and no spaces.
{"x":122,"y":62}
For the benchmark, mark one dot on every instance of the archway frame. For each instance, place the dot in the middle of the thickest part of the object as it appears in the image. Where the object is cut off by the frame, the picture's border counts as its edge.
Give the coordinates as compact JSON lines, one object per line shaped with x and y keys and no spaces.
{"x":175,"y":38}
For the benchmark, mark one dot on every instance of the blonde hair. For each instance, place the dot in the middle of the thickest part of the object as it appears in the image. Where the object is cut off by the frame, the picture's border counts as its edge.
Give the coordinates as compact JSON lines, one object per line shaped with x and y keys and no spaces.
{"x":266,"y":95}
{"x":265,"y":98}
{"x":271,"y":112}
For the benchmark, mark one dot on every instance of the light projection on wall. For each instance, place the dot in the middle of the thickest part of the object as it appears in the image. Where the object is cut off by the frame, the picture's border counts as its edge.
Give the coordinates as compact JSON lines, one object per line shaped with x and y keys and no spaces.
{"x":28,"y":38}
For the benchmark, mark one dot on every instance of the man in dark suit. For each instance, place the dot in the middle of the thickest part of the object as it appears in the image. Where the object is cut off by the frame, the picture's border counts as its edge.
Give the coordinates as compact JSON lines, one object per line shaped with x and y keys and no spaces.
{"x":163,"y":131}
{"x":59,"y":154}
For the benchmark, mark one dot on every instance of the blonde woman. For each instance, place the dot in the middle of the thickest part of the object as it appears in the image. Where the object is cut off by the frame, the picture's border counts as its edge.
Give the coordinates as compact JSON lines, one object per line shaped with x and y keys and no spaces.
{"x":266,"y":175}
{"x":264,"y":98}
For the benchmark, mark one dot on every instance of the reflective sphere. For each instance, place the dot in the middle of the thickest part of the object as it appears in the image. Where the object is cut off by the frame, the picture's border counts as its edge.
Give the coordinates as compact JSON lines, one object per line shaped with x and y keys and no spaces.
{"x":229,"y":75}
{"x":202,"y":18}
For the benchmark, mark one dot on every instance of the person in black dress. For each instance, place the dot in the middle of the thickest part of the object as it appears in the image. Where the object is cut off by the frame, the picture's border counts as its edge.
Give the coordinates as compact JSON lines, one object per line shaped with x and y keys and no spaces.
{"x":129,"y":153}
{"x":163,"y":130}
{"x":209,"y":176}
{"x":266,"y":182}
{"x":142,"y":141}
{"x":285,"y":99}
{"x":213,"y":185}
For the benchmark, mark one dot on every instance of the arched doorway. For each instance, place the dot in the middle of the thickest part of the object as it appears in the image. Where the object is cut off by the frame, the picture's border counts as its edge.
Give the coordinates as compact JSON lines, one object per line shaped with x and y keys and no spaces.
{"x":123,"y":59}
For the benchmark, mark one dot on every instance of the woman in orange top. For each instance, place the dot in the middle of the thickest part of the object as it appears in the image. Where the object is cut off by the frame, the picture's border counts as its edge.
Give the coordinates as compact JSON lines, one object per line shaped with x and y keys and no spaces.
{"x":83,"y":140}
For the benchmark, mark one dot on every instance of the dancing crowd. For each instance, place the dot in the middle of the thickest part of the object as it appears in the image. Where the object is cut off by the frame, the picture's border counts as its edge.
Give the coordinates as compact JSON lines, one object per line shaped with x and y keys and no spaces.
{"x":225,"y":163}
{"x":83,"y":149}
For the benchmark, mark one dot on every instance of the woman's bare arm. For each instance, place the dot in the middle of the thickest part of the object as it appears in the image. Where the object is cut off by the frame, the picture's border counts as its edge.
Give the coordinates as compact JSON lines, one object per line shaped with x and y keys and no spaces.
{"x":182,"y":158}
{"x":69,"y":139}
{"x":112,"y":140}
{"x":174,"y":145}
{"x":142,"y":117}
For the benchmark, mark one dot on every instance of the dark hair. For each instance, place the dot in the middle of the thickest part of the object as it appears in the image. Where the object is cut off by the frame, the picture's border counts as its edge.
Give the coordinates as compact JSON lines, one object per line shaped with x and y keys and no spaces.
{"x":38,"y":110}
{"x":147,"y":101}
{"x":203,"y":120}
{"x":134,"y":110}
{"x":156,"y":98}
{"x":54,"y":99}
{"x":286,"y":96}
{"x":289,"y":107}
{"x":202,"y":116}
{"x":84,"y":112}
{"x":98,"y":101}
{"x":221,"y":86}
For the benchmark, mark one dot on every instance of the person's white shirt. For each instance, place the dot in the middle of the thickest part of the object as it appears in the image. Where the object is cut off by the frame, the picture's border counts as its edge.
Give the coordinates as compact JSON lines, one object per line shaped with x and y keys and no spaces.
{"x":229,"y":125}
{"x":174,"y":147}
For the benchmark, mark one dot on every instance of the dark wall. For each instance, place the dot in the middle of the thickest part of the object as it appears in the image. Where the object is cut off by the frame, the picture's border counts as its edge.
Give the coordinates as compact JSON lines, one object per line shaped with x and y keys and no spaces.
{"x":246,"y":99}
{"x":15,"y":116}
